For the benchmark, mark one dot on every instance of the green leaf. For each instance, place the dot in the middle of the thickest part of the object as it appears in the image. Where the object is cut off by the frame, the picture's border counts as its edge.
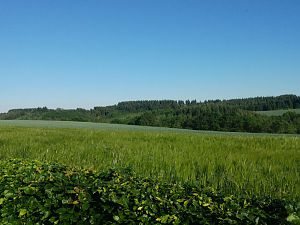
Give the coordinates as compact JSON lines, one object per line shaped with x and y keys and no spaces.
{"x":22,"y":212}
{"x":116,"y":218}
{"x":186,"y":203}
{"x":164,"y":219}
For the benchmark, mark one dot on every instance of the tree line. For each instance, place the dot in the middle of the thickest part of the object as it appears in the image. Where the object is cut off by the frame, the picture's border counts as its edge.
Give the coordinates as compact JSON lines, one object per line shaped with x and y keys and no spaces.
{"x":219,"y":115}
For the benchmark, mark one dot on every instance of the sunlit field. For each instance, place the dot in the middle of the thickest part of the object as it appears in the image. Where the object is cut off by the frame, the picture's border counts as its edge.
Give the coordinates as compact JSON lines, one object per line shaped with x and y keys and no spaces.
{"x":278,"y":112}
{"x":248,"y":164}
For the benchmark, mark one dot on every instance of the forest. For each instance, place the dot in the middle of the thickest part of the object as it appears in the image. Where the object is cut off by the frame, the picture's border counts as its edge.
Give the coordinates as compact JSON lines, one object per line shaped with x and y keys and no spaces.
{"x":234,"y":115}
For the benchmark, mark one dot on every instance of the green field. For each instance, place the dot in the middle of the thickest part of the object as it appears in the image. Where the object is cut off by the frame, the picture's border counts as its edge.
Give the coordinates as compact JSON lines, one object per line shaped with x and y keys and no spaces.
{"x":278,"y":112}
{"x":121,"y":127}
{"x":248,"y":164}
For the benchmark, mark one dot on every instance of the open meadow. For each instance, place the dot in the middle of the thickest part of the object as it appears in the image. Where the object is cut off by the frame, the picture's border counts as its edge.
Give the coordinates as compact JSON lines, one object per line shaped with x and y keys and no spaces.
{"x":248,"y":164}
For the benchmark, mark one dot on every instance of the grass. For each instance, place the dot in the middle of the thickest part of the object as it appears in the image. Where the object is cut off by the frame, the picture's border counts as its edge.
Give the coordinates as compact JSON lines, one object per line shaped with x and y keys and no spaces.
{"x":278,"y":112}
{"x":248,"y":164}
{"x":120,"y":127}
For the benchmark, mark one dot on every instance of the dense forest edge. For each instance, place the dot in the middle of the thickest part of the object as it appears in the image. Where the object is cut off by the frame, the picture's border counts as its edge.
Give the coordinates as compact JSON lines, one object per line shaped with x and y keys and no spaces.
{"x":234,"y":115}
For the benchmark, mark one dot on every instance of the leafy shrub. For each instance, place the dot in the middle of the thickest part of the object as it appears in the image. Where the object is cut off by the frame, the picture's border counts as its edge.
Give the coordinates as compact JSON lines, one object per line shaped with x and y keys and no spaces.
{"x":32,"y":192}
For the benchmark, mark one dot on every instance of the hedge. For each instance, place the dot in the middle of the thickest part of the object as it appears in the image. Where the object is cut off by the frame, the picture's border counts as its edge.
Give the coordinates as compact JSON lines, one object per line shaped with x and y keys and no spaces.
{"x":33,"y":192}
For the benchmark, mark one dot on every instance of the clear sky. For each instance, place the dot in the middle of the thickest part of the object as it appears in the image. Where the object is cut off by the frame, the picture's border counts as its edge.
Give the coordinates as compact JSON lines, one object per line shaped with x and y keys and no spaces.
{"x":85,"y":53}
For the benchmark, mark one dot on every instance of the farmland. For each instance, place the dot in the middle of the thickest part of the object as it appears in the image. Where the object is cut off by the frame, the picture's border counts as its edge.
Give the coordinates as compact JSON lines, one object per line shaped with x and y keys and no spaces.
{"x":235,"y":115}
{"x":278,"y":112}
{"x":232,"y":162}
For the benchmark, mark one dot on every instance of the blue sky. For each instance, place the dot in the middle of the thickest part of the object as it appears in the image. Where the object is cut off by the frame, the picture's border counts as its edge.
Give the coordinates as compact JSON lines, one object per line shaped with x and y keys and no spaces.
{"x":85,"y":53}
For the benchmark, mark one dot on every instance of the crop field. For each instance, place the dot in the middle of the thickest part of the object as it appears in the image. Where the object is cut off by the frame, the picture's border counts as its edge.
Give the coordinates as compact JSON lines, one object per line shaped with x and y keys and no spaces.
{"x":249,"y":164}
{"x":278,"y":112}
{"x":121,"y":127}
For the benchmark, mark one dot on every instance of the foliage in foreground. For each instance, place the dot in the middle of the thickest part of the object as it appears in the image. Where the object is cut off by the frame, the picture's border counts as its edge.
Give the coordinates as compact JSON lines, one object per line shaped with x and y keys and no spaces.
{"x":32,"y":192}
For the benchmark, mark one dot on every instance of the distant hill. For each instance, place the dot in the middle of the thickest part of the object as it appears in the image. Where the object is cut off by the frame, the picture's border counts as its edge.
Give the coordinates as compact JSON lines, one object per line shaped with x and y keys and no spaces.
{"x":220,"y":115}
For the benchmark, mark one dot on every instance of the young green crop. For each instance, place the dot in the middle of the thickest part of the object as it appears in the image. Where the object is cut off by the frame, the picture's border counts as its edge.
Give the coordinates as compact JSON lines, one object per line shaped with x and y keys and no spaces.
{"x":248,"y":164}
{"x":278,"y":112}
